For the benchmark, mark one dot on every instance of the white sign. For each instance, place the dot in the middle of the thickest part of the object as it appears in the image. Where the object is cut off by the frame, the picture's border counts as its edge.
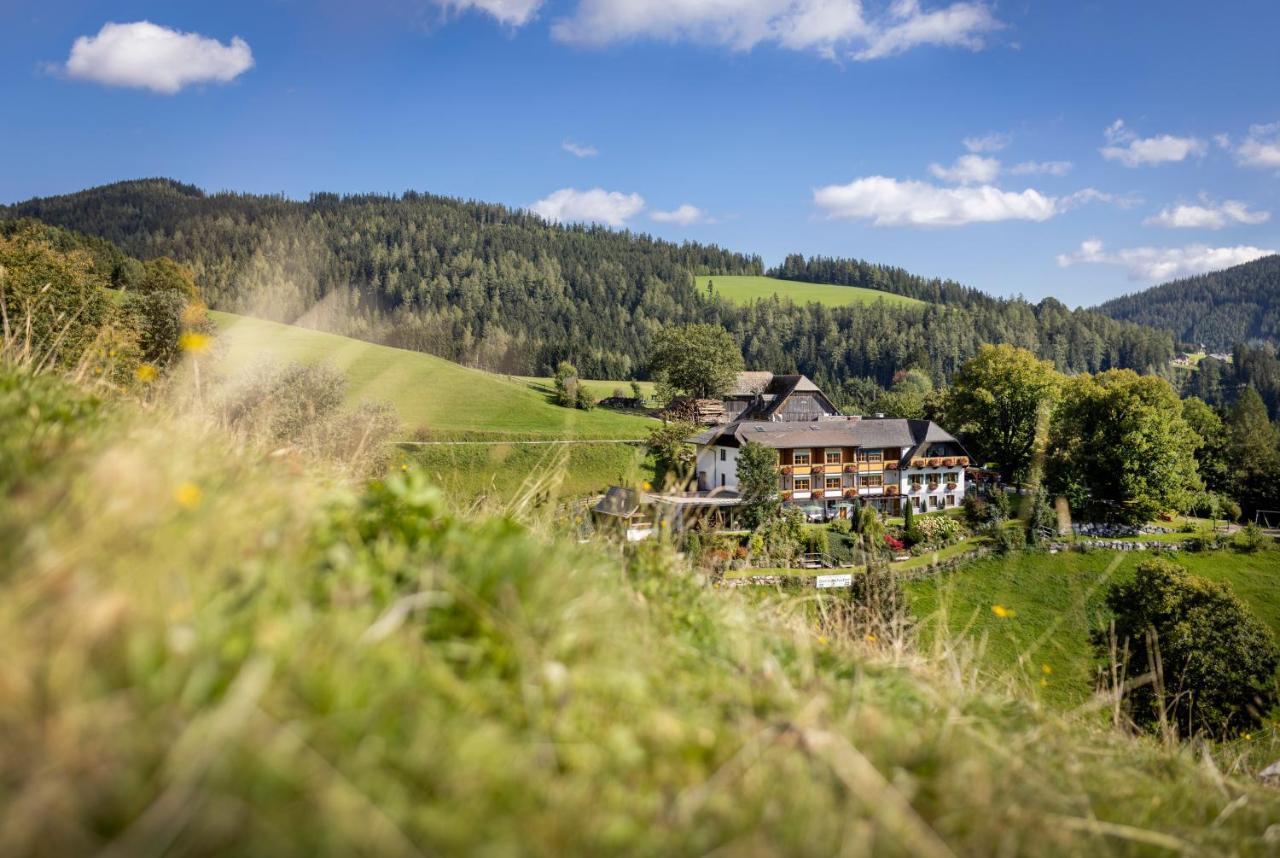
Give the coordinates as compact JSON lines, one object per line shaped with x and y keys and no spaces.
{"x":825,"y":581}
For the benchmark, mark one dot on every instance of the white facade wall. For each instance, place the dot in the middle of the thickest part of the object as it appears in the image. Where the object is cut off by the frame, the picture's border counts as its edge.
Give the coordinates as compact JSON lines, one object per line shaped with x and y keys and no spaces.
{"x":718,"y":468}
{"x":925,"y":498}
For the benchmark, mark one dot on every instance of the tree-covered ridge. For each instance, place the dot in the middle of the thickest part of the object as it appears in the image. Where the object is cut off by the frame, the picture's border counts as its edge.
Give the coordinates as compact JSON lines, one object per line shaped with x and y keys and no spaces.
{"x":502,"y":289}
{"x":886,"y":278}
{"x":1217,"y":310}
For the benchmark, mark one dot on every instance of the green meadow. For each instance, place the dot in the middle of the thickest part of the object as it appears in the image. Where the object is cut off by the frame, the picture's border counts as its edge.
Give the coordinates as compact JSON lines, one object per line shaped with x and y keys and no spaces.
{"x":1030,"y":617}
{"x":744,"y":289}
{"x":429,"y":392}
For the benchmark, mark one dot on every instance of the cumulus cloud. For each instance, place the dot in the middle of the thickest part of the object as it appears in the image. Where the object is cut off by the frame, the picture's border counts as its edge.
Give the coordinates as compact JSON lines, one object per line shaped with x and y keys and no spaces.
{"x":1163,"y":263}
{"x":1208,"y":215}
{"x":991,"y":142}
{"x":1261,"y":148}
{"x":579,"y":150}
{"x":1033,"y":168}
{"x":149,"y":56}
{"x":685,"y":215}
{"x":890,"y":202}
{"x":595,"y":206}
{"x":958,"y":25}
{"x":513,"y":13}
{"x":830,"y":27}
{"x":968,"y":170}
{"x":1134,"y":151}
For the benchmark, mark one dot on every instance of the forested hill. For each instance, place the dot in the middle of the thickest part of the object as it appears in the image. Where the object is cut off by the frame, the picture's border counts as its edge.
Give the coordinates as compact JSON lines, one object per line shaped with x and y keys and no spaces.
{"x":1217,"y":310}
{"x":502,"y":289}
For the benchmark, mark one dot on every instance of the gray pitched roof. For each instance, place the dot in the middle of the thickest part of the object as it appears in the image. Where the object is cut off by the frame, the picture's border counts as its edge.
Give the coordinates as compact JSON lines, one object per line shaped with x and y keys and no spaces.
{"x":619,"y":501}
{"x":870,"y":432}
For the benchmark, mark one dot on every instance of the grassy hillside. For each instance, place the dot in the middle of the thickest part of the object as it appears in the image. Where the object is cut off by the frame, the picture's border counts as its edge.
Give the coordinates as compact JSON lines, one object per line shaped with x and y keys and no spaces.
{"x":427,"y":391}
{"x":744,"y":290}
{"x":501,"y":470}
{"x":209,"y":651}
{"x":1057,"y":601}
{"x":599,"y":388}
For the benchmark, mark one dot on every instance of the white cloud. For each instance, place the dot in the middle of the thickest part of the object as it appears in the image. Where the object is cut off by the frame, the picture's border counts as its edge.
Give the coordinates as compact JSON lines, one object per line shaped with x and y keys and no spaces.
{"x":1034,"y":168}
{"x":685,"y":215}
{"x":738,"y":24}
{"x":1134,"y":151}
{"x":968,"y":170}
{"x":1208,"y":215}
{"x":830,"y":27}
{"x":152,"y":57}
{"x":513,"y":13}
{"x":1153,"y":264}
{"x":596,"y":205}
{"x":992,"y":142}
{"x":958,"y":25}
{"x":579,"y":150}
{"x":890,"y":202}
{"x":1261,"y":148}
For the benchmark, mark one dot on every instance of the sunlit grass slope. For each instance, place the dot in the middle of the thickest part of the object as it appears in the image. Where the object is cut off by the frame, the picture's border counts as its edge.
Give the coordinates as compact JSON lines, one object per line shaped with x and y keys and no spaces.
{"x":1054,"y":602}
{"x":209,"y":650}
{"x":745,"y":289}
{"x":427,"y":391}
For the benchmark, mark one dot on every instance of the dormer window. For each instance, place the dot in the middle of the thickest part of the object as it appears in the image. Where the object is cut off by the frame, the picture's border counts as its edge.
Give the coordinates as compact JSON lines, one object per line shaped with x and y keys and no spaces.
{"x":800,"y":457}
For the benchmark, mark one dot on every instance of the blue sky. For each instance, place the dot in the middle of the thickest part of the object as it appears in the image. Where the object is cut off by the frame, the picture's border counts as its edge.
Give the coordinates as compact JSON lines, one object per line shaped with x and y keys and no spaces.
{"x":831,"y":127}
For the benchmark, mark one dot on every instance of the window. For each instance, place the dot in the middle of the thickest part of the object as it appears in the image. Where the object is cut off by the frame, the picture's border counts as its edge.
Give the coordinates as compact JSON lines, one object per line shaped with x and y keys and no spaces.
{"x":800,"y":457}
{"x":917,"y":480}
{"x":953,"y":478}
{"x":802,"y":484}
{"x":833,"y":457}
{"x":935,"y":502}
{"x":871,"y":455}
{"x":933,"y":480}
{"x":722,"y":481}
{"x":722,"y":452}
{"x":873,"y":481}
{"x":951,"y":500}
{"x":833,"y":482}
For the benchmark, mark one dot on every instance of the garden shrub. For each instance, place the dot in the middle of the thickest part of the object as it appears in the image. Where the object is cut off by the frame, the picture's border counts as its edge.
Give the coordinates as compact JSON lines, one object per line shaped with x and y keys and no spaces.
{"x":1217,"y":660}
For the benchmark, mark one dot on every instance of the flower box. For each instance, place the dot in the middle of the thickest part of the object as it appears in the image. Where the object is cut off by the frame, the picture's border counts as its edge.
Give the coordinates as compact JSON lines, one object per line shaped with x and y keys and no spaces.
{"x":949,"y":462}
{"x":786,"y":469}
{"x":786,"y":495}
{"x":935,"y":462}
{"x":951,"y":487}
{"x":816,"y":469}
{"x":891,"y":490}
{"x":851,"y":493}
{"x":891,"y":466}
{"x":919,"y":463}
{"x":963,"y":461}
{"x":849,"y":469}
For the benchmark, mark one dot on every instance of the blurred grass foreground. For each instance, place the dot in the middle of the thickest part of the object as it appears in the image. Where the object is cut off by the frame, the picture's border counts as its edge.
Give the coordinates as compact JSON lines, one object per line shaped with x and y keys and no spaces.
{"x":219,"y":642}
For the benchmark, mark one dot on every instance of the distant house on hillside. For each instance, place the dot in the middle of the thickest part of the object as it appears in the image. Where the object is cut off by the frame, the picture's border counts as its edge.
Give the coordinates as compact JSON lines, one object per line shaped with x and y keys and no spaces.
{"x":828,"y":462}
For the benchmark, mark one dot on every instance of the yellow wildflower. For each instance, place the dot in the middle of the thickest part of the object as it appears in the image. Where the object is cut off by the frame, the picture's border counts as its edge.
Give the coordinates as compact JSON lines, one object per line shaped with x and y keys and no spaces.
{"x":1045,"y":668}
{"x":647,"y":486}
{"x":145,"y":373}
{"x":187,"y":495}
{"x":1248,"y":737}
{"x":1002,"y":612}
{"x":871,"y":638}
{"x":194,"y":342}
{"x":822,"y":640}
{"x":1043,"y":681}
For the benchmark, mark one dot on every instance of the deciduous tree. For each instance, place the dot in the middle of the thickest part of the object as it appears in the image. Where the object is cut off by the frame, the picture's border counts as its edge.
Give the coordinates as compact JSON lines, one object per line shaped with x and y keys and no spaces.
{"x":694,"y":360}
{"x":998,"y":400}
{"x":1119,"y":447}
